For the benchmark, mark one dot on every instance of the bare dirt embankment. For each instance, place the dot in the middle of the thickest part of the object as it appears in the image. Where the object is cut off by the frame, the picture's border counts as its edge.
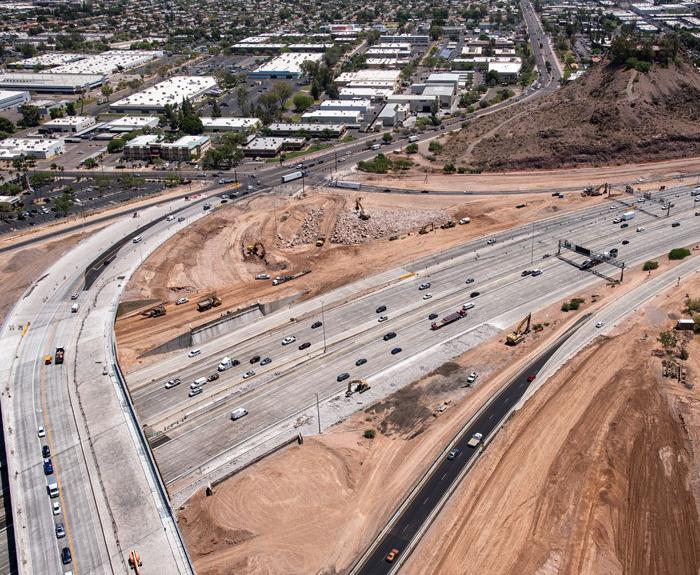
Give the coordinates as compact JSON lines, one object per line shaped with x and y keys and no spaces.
{"x":313,"y":508}
{"x":597,"y":474}
{"x":611,"y":115}
{"x":210,"y":255}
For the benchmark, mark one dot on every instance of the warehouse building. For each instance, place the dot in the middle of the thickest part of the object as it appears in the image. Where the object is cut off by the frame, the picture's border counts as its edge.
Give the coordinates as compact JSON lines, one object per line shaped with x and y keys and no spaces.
{"x":374,"y":94}
{"x":231,"y":124}
{"x":352,"y":118}
{"x":171,"y":91}
{"x":369,"y":79}
{"x":269,"y":147}
{"x":40,"y":149}
{"x":68,"y":124}
{"x":287,"y":66}
{"x":507,"y":71}
{"x":130,"y":123}
{"x":417,"y":39}
{"x":108,"y":62}
{"x":421,"y":103}
{"x":455,"y":79}
{"x":445,"y":95}
{"x":48,"y":60}
{"x":323,"y":131}
{"x":393,"y":115}
{"x":12,"y":99}
{"x":51,"y":83}
{"x":363,"y":106}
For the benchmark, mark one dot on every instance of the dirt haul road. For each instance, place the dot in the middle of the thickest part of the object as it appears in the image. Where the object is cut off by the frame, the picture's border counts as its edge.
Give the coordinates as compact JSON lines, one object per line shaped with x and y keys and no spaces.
{"x":209,"y":257}
{"x":597,"y":474}
{"x":313,"y":508}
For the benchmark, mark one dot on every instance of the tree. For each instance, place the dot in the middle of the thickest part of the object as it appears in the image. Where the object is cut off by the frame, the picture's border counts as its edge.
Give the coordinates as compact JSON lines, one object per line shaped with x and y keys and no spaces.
{"x":215,"y":110}
{"x":56,"y":113}
{"x":242,"y":99}
{"x":70,"y":109}
{"x":668,"y":340}
{"x":302,"y":102}
{"x":678,"y":253}
{"x":283,"y":91}
{"x":30,"y":116}
{"x":63,"y":203}
{"x":191,"y":124}
{"x":387,"y":138}
{"x":6,"y":127}
{"x":107,"y":91}
{"x":116,"y":145}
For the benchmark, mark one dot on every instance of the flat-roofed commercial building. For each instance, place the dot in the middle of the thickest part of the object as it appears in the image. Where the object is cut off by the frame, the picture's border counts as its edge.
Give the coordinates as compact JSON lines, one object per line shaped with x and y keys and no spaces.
{"x":369,"y":78}
{"x":139,"y":148}
{"x":12,"y":99}
{"x":309,"y":130}
{"x":417,"y":39}
{"x":393,"y":115}
{"x":231,"y":124}
{"x":416,"y":102}
{"x":69,"y":124}
{"x":50,"y":83}
{"x":285,"y":65}
{"x":375,"y":94}
{"x":268,"y":147}
{"x":351,"y":118}
{"x":171,"y":91}
{"x":130,"y":123}
{"x":363,"y":106}
{"x":507,"y":71}
{"x":445,"y":94}
{"x":184,"y":149}
{"x":40,"y":149}
{"x":107,"y":62}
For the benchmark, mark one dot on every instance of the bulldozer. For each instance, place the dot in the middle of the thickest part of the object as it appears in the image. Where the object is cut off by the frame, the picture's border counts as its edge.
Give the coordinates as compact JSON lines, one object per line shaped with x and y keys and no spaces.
{"x":155,"y":311}
{"x":359,"y":208}
{"x":360,"y":386}
{"x":256,"y":249}
{"x":427,"y":228}
{"x":518,"y":335}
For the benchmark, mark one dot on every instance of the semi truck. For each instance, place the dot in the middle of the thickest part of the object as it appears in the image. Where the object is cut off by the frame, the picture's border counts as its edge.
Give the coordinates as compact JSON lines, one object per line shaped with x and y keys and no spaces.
{"x":347,"y":185}
{"x":208,"y":303}
{"x":293,"y":176}
{"x":448,"y":319}
{"x":58,"y":356}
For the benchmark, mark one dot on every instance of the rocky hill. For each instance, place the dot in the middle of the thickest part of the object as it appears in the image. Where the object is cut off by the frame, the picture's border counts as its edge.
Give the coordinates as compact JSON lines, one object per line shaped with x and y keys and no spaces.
{"x":611,"y":115}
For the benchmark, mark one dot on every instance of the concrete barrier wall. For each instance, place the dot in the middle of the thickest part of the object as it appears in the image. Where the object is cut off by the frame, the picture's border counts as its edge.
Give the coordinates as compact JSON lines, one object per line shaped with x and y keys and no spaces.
{"x":224,"y":324}
{"x":182,"y":341}
{"x":278,"y":304}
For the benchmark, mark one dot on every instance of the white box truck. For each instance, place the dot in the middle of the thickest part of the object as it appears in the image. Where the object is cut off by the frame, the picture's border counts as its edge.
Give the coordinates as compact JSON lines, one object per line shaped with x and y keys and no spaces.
{"x":293,"y":176}
{"x":238,"y":413}
{"x":627,"y":216}
{"x":199,"y":382}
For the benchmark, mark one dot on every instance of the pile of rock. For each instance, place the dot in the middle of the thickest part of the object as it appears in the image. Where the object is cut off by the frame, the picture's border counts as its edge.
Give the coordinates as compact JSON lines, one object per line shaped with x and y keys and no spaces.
{"x":383,"y":223}
{"x":308,"y":230}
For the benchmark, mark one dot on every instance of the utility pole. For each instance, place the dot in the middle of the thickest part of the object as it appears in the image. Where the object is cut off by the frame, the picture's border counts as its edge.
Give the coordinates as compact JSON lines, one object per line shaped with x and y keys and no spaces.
{"x":318,"y":415}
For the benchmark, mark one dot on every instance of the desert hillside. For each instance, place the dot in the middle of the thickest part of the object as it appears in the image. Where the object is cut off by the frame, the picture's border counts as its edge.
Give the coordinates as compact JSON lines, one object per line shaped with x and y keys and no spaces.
{"x":610,"y":115}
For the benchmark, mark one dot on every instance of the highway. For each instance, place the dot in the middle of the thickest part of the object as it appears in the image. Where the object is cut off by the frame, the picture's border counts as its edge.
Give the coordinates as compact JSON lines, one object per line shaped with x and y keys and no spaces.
{"x":198,"y":430}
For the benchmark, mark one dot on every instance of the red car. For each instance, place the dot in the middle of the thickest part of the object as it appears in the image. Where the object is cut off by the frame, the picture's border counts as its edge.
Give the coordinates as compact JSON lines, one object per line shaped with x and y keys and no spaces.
{"x":392,"y":555}
{"x":531,"y":378}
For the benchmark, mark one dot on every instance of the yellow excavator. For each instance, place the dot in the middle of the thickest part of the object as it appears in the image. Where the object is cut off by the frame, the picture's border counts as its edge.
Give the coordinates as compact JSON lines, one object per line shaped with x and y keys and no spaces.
{"x":256,"y":249}
{"x":518,"y":335}
{"x":427,"y":228}
{"x":359,"y":208}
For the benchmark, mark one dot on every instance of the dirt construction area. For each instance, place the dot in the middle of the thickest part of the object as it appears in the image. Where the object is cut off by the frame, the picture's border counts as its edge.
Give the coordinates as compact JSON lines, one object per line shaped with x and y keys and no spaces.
{"x":597,"y":474}
{"x":278,"y":235}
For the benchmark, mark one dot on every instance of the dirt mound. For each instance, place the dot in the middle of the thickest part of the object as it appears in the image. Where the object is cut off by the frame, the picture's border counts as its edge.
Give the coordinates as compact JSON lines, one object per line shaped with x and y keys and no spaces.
{"x":610,"y":115}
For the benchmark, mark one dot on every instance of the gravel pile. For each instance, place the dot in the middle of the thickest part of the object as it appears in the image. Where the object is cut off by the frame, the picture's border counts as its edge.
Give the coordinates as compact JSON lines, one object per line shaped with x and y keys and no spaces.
{"x":308,"y":231}
{"x":350,"y":229}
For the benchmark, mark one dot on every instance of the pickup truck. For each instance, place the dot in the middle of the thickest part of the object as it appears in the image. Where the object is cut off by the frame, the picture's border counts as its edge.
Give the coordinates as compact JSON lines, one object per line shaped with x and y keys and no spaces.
{"x":475,"y":440}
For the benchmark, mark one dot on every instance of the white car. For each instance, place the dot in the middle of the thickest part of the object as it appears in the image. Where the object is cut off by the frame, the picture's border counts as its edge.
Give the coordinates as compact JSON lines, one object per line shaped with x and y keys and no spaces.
{"x":195,"y":391}
{"x":472,"y":377}
{"x":599,"y":324}
{"x":194,"y":352}
{"x":56,"y":508}
{"x":74,"y":296}
{"x":172,"y":383}
{"x":382,"y":318}
{"x":427,"y":296}
{"x":640,"y":228}
{"x":289,"y":339}
{"x":491,"y":242}
{"x":262,"y":277}
{"x":248,"y":374}
{"x":137,"y":239}
{"x":181,"y":301}
{"x":41,"y":432}
{"x":423,"y":286}
{"x":616,"y":220}
{"x":169,"y":218}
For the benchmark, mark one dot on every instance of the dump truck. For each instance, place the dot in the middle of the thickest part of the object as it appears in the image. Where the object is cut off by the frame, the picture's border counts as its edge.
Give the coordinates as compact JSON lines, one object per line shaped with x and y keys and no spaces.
{"x":58,"y":356}
{"x":208,"y":303}
{"x":475,"y":440}
{"x":293,"y":176}
{"x":448,"y":319}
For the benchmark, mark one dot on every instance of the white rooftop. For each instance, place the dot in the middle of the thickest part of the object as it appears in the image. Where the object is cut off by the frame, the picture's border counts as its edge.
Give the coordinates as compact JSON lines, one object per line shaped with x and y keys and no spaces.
{"x":229,"y":122}
{"x":289,"y":62}
{"x":171,"y":91}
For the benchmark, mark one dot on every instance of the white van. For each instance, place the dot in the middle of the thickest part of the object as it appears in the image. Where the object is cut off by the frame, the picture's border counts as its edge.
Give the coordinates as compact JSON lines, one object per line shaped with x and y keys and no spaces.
{"x":376,"y":146}
{"x":74,"y":308}
{"x":238,"y":413}
{"x":467,"y":306}
{"x":199,"y":382}
{"x":536,"y":272}
{"x":413,"y":139}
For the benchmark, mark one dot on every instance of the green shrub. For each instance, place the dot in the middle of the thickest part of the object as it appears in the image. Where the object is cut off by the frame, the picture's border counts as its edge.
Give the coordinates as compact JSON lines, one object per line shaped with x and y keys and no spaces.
{"x":369,"y":434}
{"x":678,"y":253}
{"x":435,"y":147}
{"x":650,"y":265}
{"x":411,"y":148}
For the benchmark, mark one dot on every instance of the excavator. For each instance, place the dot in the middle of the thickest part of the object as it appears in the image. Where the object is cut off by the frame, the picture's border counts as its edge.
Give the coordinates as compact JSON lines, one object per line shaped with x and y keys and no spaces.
{"x":256,"y":249}
{"x":427,"y":228}
{"x":359,"y":208}
{"x":360,"y":386}
{"x":155,"y":311}
{"x":595,"y":191}
{"x":518,"y":335}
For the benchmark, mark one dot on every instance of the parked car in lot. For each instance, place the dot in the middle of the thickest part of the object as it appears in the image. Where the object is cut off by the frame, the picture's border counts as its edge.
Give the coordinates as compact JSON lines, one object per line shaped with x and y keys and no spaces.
{"x":41,"y":432}
{"x":45,"y":451}
{"x":56,"y":507}
{"x":48,"y":467}
{"x":60,"y":531}
{"x":66,"y":556}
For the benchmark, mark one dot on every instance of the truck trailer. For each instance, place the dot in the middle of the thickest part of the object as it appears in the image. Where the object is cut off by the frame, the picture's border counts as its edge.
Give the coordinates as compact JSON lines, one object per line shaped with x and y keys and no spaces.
{"x":448,"y":319}
{"x":293,"y":176}
{"x":627,"y":216}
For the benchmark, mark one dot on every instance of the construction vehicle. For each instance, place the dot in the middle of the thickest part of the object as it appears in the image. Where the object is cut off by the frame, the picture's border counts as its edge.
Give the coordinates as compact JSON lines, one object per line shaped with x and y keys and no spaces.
{"x":208,"y":303}
{"x":447,"y":225}
{"x":518,"y":335}
{"x":48,"y":359}
{"x":359,"y":208}
{"x":356,"y":386}
{"x":320,"y":242}
{"x":256,"y":249}
{"x":448,"y":319}
{"x":282,"y":279}
{"x":155,"y":311}
{"x":135,"y":561}
{"x":58,"y":356}
{"x":427,"y":228}
{"x":595,"y":191}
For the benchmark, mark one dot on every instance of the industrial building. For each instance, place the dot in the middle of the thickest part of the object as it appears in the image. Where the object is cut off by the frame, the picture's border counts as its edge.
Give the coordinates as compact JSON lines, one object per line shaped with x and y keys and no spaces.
{"x":417,"y":39}
{"x":151,"y":146}
{"x":393,"y":115}
{"x":507,"y":71}
{"x":130,"y":123}
{"x":12,"y":99}
{"x":445,"y":95}
{"x":267,"y":147}
{"x":374,"y":94}
{"x":455,"y":79}
{"x":309,"y":130}
{"x":231,"y":124}
{"x":51,"y":83}
{"x":286,"y":66}
{"x":48,"y":60}
{"x":370,"y":79}
{"x":40,"y":149}
{"x":422,"y":103}
{"x":171,"y":91}
{"x":352,"y":118}
{"x":68,"y":124}
{"x":363,"y":106}
{"x":108,"y":62}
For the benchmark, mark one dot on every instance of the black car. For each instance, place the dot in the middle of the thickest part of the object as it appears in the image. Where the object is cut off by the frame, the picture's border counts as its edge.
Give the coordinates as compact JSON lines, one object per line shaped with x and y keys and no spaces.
{"x":45,"y":451}
{"x":360,"y":362}
{"x":433,"y":316}
{"x":390,"y":335}
{"x":625,"y":242}
{"x":305,"y":345}
{"x":380,"y":309}
{"x":213,"y":377}
{"x":343,"y":376}
{"x":265,"y":361}
{"x":66,"y":556}
{"x":316,"y":324}
{"x":395,"y":350}
{"x":255,"y":359}
{"x":474,"y":294}
{"x":525,"y":273}
{"x":625,"y":226}
{"x":675,"y":224}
